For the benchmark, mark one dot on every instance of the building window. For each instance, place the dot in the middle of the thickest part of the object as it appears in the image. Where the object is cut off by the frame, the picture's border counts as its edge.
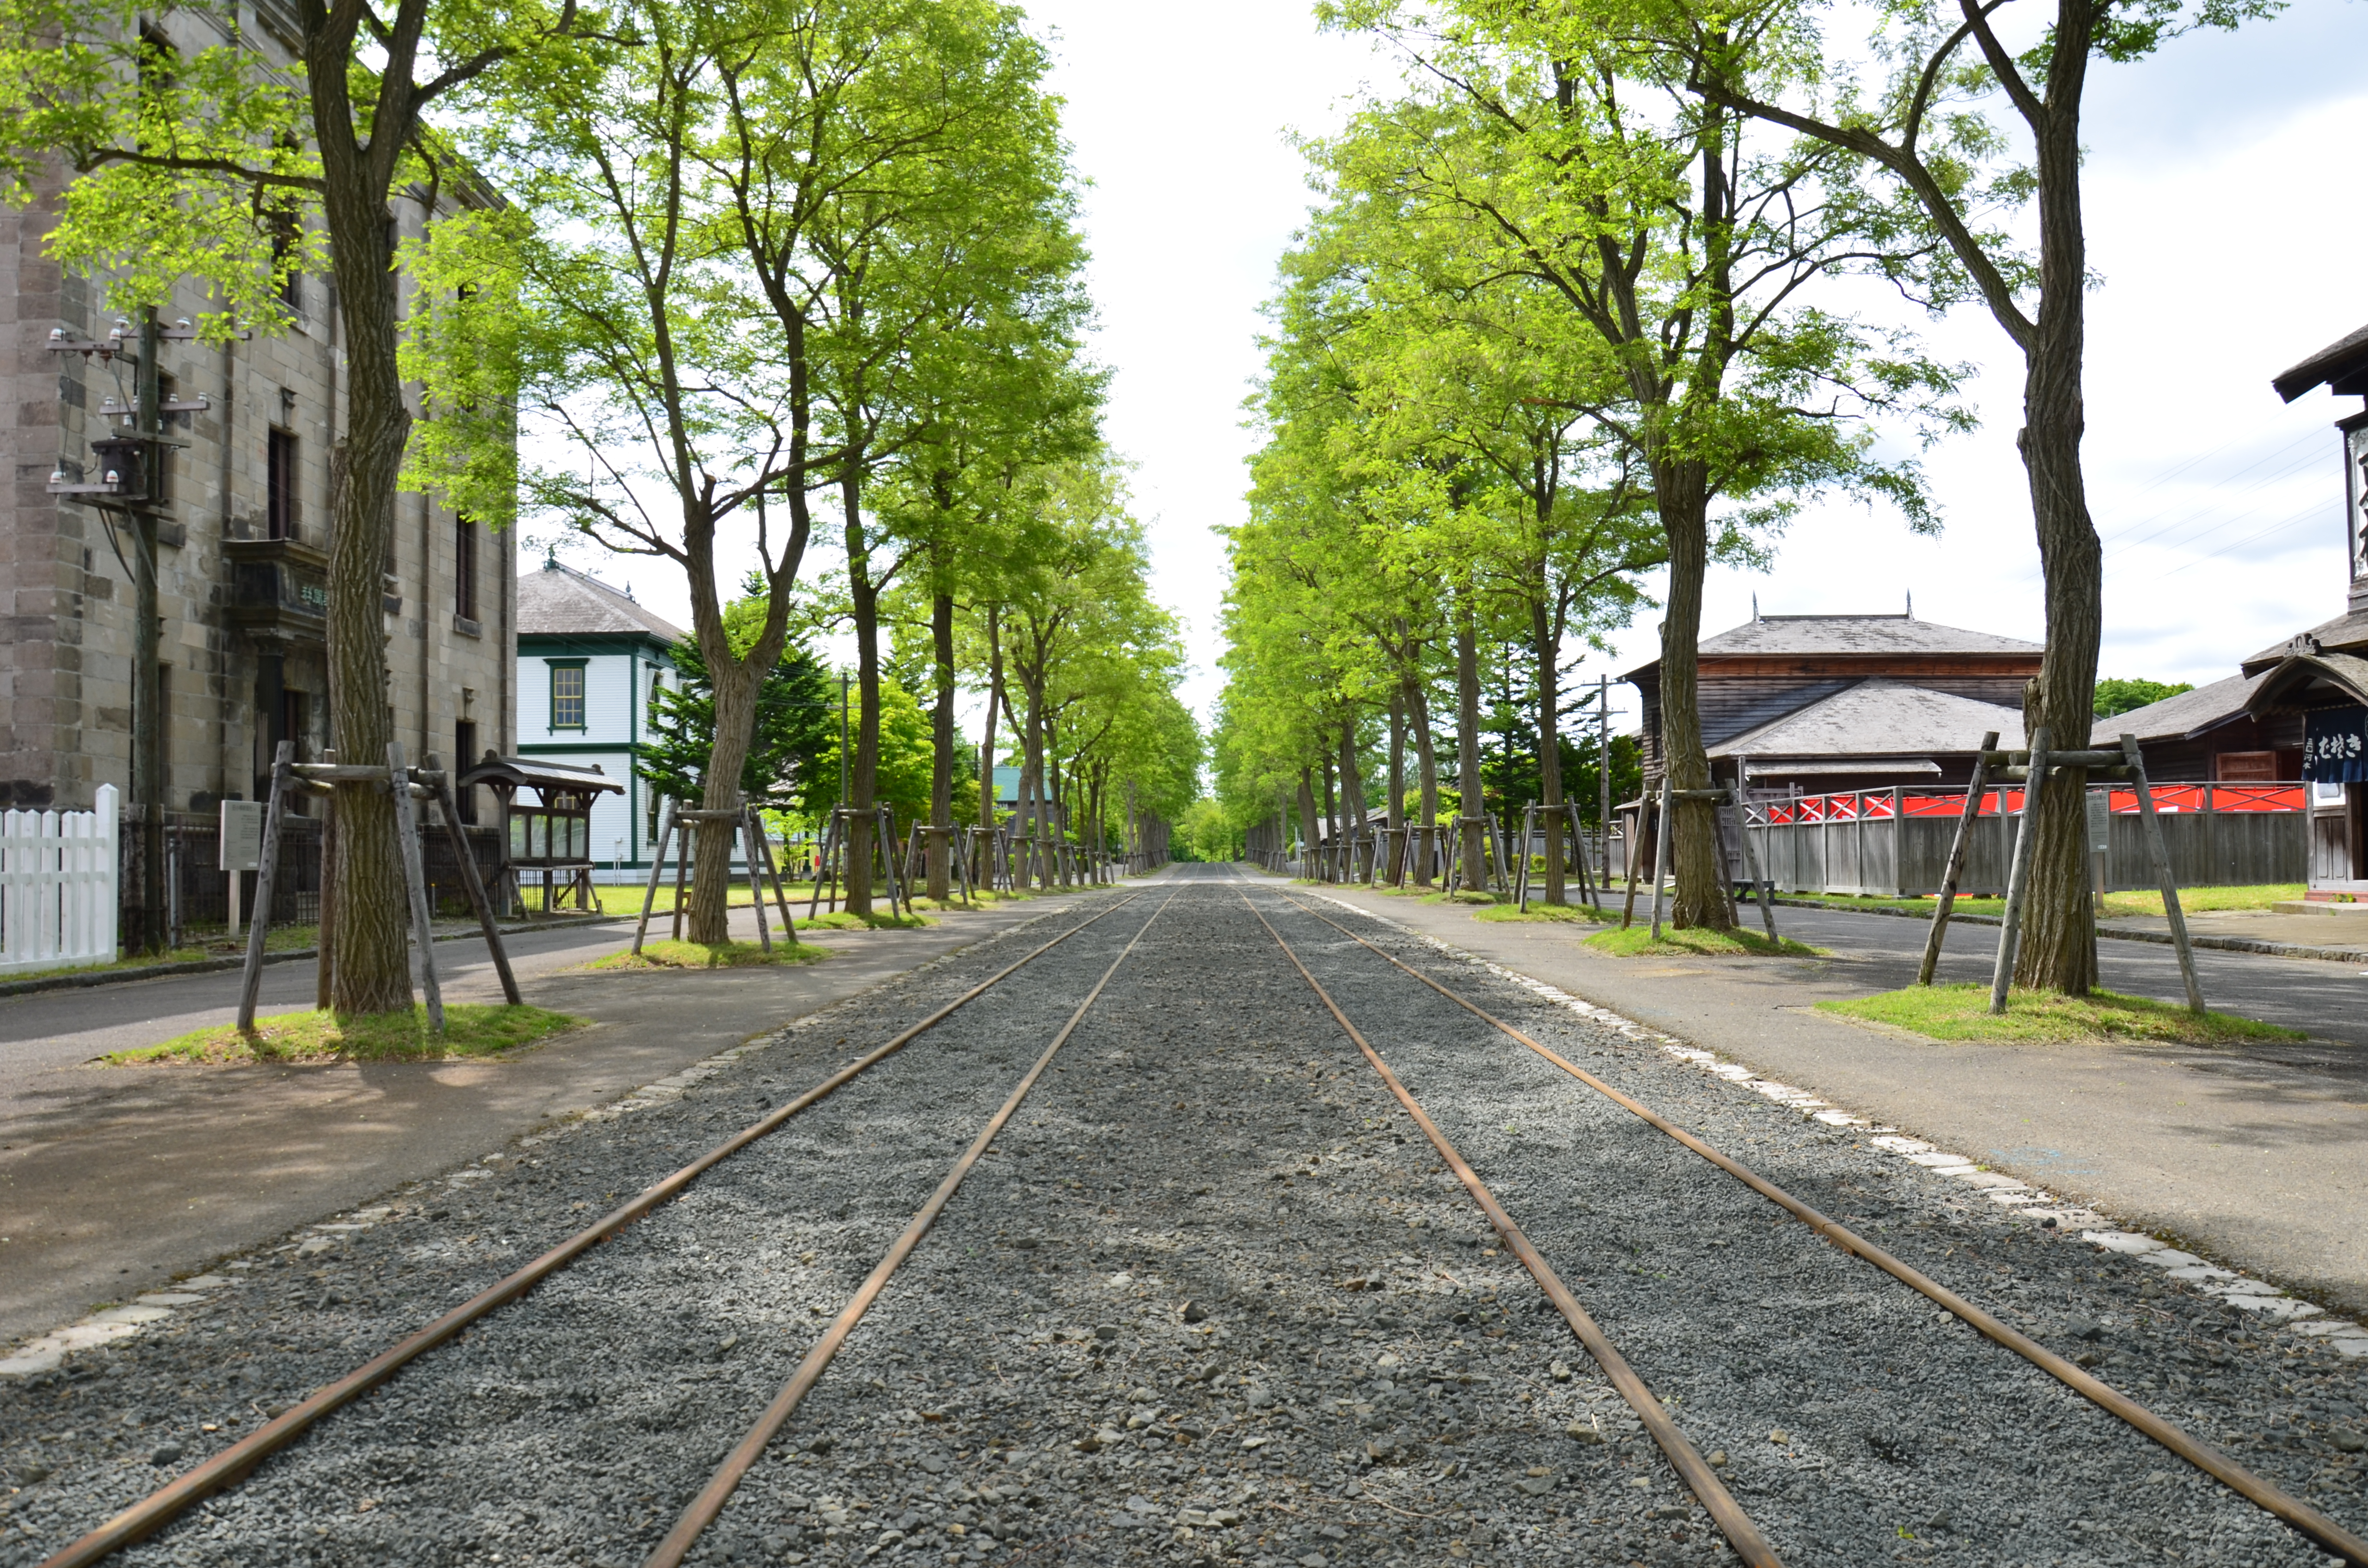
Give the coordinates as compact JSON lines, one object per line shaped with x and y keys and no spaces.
{"x":567,"y":693}
{"x":464,"y":755}
{"x":464,"y":568}
{"x":279,"y":486}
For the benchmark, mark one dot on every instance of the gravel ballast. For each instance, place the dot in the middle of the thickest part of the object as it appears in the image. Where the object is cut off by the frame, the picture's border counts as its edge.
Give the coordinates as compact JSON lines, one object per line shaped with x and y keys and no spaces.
{"x":1210,"y":1298}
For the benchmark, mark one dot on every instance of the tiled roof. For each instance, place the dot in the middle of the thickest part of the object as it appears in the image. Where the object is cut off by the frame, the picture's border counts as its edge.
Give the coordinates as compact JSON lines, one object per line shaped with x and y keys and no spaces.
{"x":559,"y":601}
{"x":1858,"y":634}
{"x":2346,"y":633}
{"x":2346,"y":356}
{"x":2177,"y":718}
{"x":1869,"y":636}
{"x":1879,"y":718}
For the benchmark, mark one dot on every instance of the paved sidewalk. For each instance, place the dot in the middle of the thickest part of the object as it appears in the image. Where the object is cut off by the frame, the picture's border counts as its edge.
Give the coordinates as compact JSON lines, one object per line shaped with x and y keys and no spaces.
{"x":113,"y":1180}
{"x":2255,"y":1156}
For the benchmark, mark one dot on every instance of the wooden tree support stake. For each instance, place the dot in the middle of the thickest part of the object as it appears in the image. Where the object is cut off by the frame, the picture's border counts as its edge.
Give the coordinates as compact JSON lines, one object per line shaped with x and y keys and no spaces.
{"x":398,"y":780}
{"x":2162,"y":867}
{"x":1958,"y":848}
{"x":657,"y":864}
{"x":449,"y":803}
{"x":1660,"y":853}
{"x":266,"y":873}
{"x":2018,"y":881}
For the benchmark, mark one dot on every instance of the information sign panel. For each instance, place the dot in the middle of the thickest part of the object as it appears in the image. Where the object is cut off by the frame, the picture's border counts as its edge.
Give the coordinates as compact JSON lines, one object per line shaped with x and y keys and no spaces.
{"x":242,"y":835}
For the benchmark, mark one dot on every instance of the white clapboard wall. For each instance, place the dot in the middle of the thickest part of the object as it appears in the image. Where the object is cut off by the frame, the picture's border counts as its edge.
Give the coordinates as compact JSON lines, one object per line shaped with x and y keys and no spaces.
{"x":57,"y":886}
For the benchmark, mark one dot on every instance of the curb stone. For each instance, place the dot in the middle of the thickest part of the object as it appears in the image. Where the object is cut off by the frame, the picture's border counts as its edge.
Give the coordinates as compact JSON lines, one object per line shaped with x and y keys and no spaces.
{"x":107,"y":1325}
{"x":2232,"y":1286}
{"x":2118,"y":933}
{"x":82,"y":979}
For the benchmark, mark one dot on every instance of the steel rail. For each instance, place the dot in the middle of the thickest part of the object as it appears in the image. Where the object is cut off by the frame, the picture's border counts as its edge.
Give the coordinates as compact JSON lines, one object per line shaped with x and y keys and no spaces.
{"x":234,"y":1464}
{"x":2329,"y":1536}
{"x":1749,"y":1544}
{"x":703,"y":1509}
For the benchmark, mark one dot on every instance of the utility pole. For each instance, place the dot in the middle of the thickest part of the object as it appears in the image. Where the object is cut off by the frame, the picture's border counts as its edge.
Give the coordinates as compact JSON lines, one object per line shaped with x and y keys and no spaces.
{"x":1603,"y":772}
{"x":148,"y":718}
{"x":131,"y":451}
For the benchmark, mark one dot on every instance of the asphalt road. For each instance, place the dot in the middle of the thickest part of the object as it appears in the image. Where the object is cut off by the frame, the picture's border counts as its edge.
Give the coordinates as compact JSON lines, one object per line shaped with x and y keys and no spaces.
{"x":2328,"y":1000}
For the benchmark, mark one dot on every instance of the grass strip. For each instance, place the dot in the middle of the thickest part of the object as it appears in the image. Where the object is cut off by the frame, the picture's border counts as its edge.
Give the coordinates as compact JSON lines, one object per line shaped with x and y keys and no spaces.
{"x":1568,"y":914}
{"x":669,"y":954}
{"x":470,"y":1030}
{"x":1961,"y":1011}
{"x":1636,"y":942}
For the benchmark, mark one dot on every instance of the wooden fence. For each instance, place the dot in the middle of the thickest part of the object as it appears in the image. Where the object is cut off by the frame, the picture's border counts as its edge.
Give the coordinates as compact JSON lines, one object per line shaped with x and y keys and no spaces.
{"x":1894,"y":843}
{"x":57,"y":879}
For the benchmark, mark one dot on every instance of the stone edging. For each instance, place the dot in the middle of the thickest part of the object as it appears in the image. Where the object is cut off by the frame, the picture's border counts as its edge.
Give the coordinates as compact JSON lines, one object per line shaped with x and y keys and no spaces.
{"x":2346,"y":1338}
{"x":81,"y":979}
{"x":44,"y":1352}
{"x":2161,"y":938}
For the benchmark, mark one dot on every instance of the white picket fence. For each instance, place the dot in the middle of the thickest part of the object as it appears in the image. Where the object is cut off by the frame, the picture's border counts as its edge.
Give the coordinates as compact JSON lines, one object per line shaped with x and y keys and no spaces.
{"x":57,"y":886}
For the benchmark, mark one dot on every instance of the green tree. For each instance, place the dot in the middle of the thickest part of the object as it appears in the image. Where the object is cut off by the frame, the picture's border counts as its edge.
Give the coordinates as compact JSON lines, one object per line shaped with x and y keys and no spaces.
{"x":2122,"y":696}
{"x":1973,"y":129}
{"x":796,"y":720}
{"x":194,"y":157}
{"x":1546,"y":149}
{"x":905,"y":759}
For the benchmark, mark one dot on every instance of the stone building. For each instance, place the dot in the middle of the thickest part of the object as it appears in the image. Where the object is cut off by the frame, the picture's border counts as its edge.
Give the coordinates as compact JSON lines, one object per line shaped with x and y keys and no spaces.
{"x":244,"y":551}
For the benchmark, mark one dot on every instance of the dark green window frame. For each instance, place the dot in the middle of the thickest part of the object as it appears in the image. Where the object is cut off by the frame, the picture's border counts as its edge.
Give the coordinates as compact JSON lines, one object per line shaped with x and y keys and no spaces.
{"x":564,"y":701}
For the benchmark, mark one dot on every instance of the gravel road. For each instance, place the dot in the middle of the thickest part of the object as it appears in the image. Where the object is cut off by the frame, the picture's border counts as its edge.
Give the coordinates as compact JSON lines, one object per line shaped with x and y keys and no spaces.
{"x":1209,"y":1298}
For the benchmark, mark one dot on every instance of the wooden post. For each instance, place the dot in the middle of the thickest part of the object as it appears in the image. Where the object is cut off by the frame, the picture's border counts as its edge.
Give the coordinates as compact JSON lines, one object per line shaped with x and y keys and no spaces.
{"x":2018,"y":881}
{"x":822,"y":865}
{"x":398,"y":778}
{"x":446,"y":799}
{"x":2162,"y":868}
{"x":1958,"y":847}
{"x":1634,"y":845}
{"x":748,"y":851}
{"x":1751,"y":860}
{"x":657,"y":860}
{"x":1522,"y":881}
{"x":884,"y":835}
{"x":773,"y":874}
{"x":682,"y":833}
{"x":265,"y":873}
{"x":1660,"y":853}
{"x":324,"y":945}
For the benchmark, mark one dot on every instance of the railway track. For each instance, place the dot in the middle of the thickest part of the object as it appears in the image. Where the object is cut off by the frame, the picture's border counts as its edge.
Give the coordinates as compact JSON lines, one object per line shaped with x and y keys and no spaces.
{"x":238,"y":1460}
{"x":1742,"y":1534}
{"x":1202,"y":1235}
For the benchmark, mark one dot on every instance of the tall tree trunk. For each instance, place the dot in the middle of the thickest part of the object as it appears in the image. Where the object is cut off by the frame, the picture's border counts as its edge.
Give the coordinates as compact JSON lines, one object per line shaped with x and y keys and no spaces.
{"x":1397,"y":787}
{"x":1471,"y":798}
{"x":2059,"y":940}
{"x":941,"y":775}
{"x":1331,"y":816}
{"x":983,"y":871}
{"x":1031,"y":764}
{"x":735,"y":686}
{"x":1681,"y":488}
{"x":372,"y":972}
{"x":1426,"y":748}
{"x":863,"y":599}
{"x":1353,"y":798}
{"x":1549,"y":656}
{"x":1306,"y":813}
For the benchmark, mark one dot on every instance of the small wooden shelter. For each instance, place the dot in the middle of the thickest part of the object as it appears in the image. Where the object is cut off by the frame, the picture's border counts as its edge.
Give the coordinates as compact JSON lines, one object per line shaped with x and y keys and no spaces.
{"x":550,"y":835}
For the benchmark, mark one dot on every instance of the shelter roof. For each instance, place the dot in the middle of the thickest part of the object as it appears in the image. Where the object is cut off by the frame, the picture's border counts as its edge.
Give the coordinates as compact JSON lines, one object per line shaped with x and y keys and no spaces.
{"x":1879,"y":718}
{"x":2342,"y":364}
{"x":2179,"y":717}
{"x":1850,"y":636}
{"x":538,"y":773}
{"x":2311,"y":680}
{"x":2346,"y":633}
{"x":560,"y":601}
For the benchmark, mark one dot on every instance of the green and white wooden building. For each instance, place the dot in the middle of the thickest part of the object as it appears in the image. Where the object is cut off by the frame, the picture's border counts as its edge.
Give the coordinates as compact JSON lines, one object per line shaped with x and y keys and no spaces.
{"x":589,"y":661}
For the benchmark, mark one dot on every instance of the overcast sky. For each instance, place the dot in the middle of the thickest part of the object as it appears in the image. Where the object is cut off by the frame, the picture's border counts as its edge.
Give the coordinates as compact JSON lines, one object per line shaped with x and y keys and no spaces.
{"x":2223,"y":216}
{"x":2225,"y":219}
